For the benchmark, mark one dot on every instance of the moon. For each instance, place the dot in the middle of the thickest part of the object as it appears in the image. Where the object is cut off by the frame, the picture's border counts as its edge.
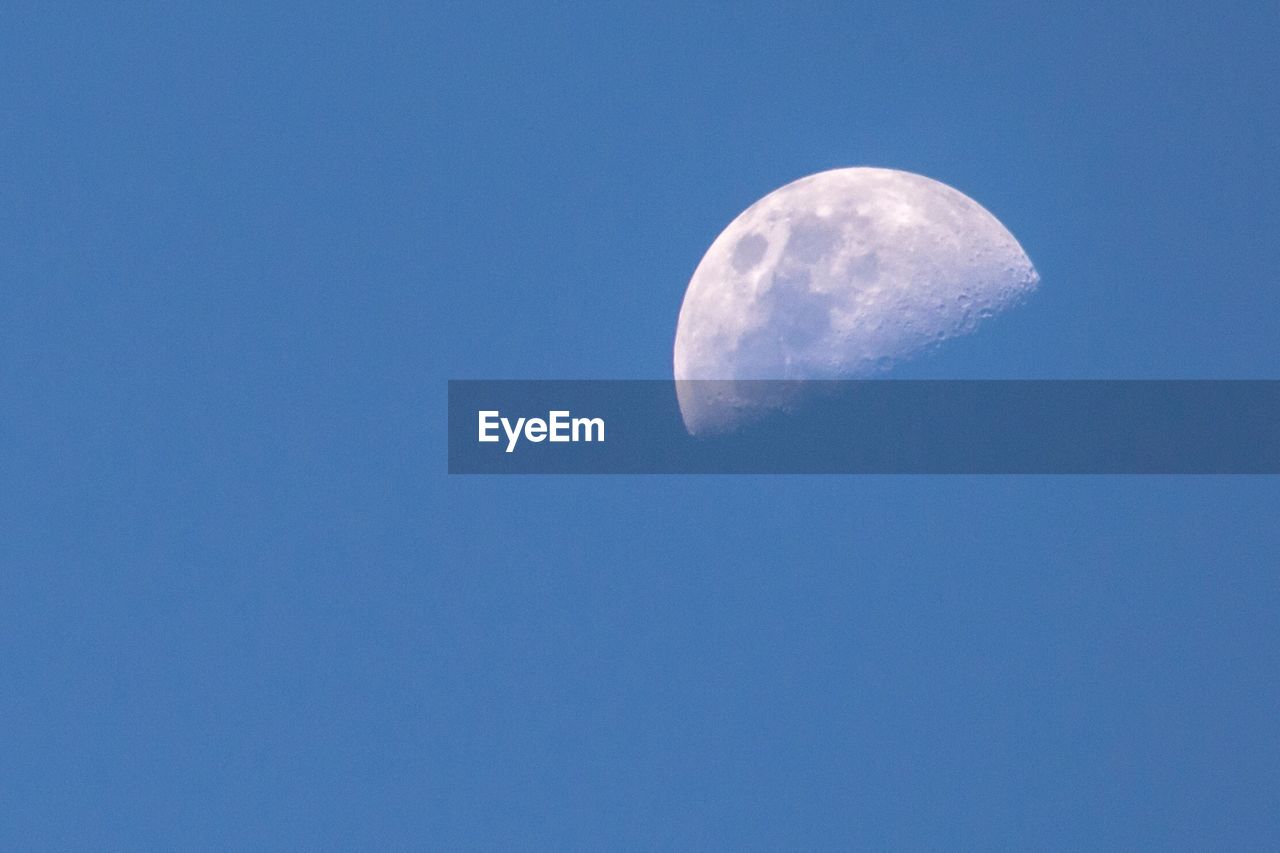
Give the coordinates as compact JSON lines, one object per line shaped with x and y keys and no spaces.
{"x":838,"y":275}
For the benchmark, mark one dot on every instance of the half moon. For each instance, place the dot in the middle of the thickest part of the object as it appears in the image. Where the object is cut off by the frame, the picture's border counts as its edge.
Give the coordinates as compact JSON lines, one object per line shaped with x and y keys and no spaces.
{"x":841,"y":274}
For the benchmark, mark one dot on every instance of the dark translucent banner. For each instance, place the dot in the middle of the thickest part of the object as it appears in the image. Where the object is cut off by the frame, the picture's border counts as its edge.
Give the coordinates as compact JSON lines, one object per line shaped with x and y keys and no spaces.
{"x":864,"y":427}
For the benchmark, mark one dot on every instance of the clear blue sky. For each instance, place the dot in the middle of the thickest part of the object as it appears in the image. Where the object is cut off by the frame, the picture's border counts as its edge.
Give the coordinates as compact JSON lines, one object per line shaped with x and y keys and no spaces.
{"x":242,"y":606}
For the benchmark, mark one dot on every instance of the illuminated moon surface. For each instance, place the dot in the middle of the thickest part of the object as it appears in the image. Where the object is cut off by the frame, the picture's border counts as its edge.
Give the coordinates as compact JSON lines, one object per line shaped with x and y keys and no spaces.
{"x":839,"y":275}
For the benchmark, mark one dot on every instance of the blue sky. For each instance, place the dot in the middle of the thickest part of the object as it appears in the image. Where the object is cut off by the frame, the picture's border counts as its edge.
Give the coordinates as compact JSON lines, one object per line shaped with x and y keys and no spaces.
{"x":244,"y":607}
